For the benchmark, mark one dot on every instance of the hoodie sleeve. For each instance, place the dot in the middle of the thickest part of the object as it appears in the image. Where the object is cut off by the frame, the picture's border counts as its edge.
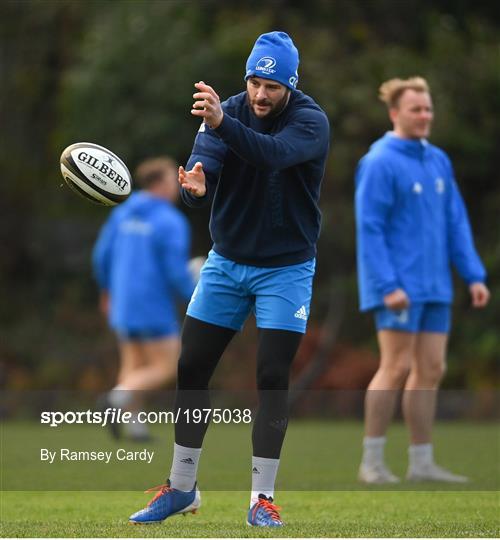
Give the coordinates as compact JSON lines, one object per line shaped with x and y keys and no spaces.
{"x":102,"y":252}
{"x":374,"y":199}
{"x":210,"y":150}
{"x":174,"y":241}
{"x":463,"y":253}
{"x":305,"y":137}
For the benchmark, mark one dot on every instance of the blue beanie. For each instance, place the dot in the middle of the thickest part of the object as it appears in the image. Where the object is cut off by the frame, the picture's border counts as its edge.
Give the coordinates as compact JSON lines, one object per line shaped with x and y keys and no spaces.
{"x":274,"y":56}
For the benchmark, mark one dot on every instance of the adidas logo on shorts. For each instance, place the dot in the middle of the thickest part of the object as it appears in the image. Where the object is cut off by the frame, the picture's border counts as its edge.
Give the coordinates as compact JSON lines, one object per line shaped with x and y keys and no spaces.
{"x":301,"y":313}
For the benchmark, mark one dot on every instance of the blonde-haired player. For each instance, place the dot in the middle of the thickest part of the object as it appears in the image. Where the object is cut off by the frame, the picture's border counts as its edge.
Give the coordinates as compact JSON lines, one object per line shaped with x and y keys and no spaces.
{"x":411,"y":227}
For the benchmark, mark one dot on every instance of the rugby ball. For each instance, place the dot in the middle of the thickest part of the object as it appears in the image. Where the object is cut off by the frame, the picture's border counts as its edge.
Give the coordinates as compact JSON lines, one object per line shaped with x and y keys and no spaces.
{"x":95,"y":173}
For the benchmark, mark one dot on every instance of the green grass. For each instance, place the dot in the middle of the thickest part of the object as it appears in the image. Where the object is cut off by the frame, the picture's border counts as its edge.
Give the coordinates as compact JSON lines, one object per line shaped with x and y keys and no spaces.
{"x":317,"y":456}
{"x":89,"y":499}
{"x":307,"y":514}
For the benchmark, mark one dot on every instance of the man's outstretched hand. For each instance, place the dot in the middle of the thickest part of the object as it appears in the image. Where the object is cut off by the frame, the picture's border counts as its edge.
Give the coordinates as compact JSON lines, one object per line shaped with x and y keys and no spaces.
{"x":193,"y":180}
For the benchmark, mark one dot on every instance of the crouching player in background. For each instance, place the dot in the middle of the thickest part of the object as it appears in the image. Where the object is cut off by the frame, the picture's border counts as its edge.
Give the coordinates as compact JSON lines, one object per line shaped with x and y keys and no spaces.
{"x":141,"y":265}
{"x":259,"y":160}
{"x":411,"y":225}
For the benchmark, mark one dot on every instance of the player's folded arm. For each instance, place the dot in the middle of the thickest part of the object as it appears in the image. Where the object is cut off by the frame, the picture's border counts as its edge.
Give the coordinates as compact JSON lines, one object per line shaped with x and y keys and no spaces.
{"x":305,"y":137}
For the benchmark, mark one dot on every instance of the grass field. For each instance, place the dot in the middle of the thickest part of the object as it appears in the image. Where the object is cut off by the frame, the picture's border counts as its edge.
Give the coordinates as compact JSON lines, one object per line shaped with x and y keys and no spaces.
{"x":307,"y":514}
{"x":316,"y":488}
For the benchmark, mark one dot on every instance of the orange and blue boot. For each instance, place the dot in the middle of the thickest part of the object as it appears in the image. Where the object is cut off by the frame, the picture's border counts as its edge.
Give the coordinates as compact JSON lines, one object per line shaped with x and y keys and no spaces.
{"x":264,"y":513}
{"x":167,"y":502}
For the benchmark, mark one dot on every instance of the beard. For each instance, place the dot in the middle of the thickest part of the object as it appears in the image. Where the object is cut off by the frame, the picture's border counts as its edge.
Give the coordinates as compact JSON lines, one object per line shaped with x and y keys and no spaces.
{"x":275,"y":108}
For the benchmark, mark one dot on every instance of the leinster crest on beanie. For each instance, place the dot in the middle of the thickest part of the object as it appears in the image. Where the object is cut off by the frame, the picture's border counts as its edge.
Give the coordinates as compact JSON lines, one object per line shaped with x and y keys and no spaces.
{"x":274,"y":56}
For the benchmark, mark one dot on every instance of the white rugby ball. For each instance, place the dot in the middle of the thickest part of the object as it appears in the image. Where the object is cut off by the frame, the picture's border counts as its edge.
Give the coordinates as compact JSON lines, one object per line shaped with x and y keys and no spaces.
{"x":95,"y":173}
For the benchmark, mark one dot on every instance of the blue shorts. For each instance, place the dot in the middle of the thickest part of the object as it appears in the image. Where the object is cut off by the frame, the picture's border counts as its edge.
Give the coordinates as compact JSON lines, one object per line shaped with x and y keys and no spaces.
{"x":227,"y":292}
{"x":419,"y":317}
{"x":148,"y":334}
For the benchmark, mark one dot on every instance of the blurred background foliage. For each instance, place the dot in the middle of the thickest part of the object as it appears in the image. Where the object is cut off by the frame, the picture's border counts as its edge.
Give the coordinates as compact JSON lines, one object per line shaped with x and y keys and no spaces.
{"x":121,"y":73}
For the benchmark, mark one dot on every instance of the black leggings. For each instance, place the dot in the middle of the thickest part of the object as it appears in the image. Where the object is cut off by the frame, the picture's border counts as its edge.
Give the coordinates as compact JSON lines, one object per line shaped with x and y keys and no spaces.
{"x":202,"y":346}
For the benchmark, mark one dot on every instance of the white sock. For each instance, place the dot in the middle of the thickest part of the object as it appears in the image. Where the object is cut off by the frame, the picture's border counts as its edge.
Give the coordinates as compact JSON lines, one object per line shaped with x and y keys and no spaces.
{"x":184,"y":467}
{"x":373,"y":450}
{"x":420,"y":454}
{"x":264,"y":471}
{"x":120,"y":397}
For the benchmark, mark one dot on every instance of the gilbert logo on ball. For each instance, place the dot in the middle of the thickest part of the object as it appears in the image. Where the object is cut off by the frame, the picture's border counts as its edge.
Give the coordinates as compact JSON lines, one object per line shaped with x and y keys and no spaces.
{"x":95,"y":173}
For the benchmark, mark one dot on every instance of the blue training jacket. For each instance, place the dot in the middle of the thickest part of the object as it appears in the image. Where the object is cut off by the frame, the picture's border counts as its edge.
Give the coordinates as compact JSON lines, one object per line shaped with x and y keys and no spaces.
{"x":411,"y":224}
{"x":264,"y":178}
{"x":140,"y":258}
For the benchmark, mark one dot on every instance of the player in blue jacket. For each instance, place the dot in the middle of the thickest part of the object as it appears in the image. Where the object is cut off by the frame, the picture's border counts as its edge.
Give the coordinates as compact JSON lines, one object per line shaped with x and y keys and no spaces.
{"x":259,"y":160}
{"x":411,"y":226}
{"x":140,"y":263}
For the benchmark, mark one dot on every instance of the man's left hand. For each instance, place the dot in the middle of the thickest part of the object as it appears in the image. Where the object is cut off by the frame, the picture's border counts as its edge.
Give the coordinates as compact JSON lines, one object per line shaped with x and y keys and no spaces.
{"x":207,"y":105}
{"x":480,"y":295}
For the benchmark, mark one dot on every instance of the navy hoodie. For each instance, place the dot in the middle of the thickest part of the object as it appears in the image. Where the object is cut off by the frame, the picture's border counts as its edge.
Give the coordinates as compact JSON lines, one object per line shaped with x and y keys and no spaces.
{"x":263,"y":178}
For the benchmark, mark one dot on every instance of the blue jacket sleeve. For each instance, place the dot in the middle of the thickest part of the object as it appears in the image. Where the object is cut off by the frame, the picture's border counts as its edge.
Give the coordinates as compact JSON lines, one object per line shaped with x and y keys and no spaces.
{"x":373,"y":201}
{"x":463,"y":253}
{"x":210,"y":150}
{"x":304,"y":138}
{"x":102,"y":252}
{"x":173,"y":238}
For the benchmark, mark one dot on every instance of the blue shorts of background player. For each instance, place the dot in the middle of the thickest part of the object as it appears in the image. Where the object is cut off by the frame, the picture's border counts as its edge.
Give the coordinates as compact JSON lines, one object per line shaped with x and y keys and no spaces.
{"x":419,"y":317}
{"x":228,"y":291}
{"x":169,"y":330}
